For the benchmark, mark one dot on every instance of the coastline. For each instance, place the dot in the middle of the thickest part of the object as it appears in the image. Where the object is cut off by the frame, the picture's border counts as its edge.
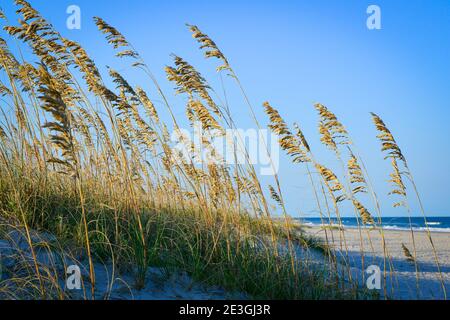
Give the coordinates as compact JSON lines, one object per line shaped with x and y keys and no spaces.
{"x":433,"y":223}
{"x":385,"y":228}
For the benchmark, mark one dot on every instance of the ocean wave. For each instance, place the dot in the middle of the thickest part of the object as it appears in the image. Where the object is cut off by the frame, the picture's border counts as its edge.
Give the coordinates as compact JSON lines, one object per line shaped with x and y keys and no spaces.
{"x":416,"y":228}
{"x":387,"y":227}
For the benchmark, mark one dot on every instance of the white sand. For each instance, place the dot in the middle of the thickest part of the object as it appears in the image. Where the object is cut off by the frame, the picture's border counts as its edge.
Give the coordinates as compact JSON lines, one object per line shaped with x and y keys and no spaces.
{"x":402,"y":283}
{"x":399,"y":282}
{"x":16,"y":261}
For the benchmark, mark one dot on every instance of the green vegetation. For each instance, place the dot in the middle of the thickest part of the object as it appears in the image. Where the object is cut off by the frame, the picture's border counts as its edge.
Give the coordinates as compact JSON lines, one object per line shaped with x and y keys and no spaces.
{"x":95,"y":167}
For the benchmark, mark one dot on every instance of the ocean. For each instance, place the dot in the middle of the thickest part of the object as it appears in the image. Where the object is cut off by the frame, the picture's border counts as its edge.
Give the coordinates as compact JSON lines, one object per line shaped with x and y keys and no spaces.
{"x":438,"y":224}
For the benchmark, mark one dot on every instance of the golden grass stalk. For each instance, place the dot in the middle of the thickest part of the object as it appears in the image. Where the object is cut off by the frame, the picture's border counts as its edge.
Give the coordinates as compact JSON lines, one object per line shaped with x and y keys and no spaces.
{"x":390,"y":146}
{"x":407,"y":253}
{"x":63,"y":139}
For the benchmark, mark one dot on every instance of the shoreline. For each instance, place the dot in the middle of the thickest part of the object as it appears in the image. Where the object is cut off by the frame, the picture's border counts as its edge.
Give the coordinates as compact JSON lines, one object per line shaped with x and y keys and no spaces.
{"x":385,"y":228}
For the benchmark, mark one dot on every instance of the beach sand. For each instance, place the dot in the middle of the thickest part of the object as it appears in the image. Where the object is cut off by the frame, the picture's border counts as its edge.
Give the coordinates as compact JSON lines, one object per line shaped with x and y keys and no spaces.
{"x":17,"y":261}
{"x":401,"y":284}
{"x":397,"y":274}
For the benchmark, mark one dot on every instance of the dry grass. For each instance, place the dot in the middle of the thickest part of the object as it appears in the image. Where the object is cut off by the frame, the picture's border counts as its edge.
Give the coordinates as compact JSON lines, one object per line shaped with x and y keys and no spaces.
{"x":95,"y":167}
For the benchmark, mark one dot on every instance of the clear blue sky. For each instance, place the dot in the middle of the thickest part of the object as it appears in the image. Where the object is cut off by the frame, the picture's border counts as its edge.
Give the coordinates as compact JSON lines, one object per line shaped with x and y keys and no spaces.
{"x":295,"y":53}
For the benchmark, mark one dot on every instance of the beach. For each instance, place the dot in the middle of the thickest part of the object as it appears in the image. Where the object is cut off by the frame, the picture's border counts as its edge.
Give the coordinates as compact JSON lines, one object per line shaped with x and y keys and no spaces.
{"x":365,"y":248}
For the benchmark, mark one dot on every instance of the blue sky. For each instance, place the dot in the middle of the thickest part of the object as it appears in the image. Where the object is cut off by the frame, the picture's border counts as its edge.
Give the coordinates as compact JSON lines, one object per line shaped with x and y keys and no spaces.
{"x":296,"y":53}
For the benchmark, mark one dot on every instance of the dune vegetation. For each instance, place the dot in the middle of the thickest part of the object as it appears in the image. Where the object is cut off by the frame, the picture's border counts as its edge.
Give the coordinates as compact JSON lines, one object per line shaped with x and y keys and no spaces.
{"x":94,"y":166}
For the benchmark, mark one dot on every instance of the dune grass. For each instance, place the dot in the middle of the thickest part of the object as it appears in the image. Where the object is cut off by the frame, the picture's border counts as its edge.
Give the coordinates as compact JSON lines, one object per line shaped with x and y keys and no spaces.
{"x":94,"y":166}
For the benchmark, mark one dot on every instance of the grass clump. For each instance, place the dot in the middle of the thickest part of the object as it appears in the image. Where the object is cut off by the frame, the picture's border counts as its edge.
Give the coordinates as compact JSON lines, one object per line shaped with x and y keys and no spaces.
{"x":88,"y":158}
